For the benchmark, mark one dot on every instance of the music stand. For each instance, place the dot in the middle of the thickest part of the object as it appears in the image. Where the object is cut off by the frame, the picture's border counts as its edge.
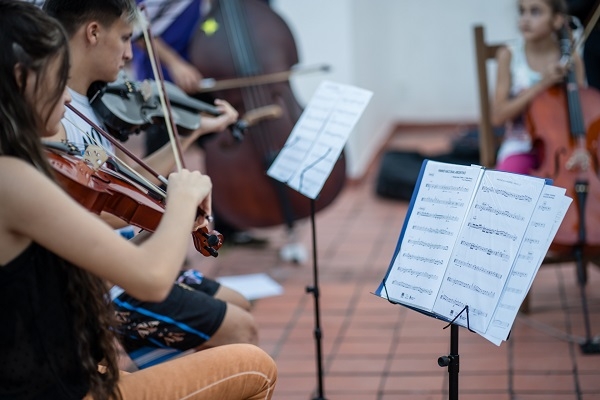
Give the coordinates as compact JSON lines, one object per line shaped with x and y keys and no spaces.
{"x":452,"y":360}
{"x":307,"y":158}
{"x":314,"y":289}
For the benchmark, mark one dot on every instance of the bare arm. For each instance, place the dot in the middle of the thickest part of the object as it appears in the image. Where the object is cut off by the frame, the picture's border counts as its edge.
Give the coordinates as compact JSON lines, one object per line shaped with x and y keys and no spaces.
{"x":59,"y":224}
{"x":505,"y":108}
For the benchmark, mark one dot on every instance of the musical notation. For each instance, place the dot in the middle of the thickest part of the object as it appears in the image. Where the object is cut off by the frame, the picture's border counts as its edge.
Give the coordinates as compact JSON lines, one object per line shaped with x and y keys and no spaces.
{"x":318,"y":138}
{"x":473,"y":237}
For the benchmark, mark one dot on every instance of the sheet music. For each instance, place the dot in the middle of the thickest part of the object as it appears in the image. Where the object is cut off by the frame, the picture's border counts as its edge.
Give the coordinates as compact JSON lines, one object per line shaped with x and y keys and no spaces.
{"x":430,"y":233}
{"x":475,"y":238}
{"x":550,"y":210}
{"x":319,"y":136}
{"x":487,"y":247}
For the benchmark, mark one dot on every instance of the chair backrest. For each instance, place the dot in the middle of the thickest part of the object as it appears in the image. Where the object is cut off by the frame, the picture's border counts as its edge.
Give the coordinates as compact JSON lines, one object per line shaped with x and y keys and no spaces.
{"x":487,"y":139}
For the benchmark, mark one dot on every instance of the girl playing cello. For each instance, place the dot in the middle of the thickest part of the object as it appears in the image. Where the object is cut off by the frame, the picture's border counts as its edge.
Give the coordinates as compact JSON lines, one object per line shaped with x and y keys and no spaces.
{"x":526,"y":69}
{"x":56,"y":320}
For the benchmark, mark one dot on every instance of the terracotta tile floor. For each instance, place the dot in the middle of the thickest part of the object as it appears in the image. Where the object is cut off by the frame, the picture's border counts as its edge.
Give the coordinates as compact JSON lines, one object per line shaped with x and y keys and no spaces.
{"x":372,"y":349}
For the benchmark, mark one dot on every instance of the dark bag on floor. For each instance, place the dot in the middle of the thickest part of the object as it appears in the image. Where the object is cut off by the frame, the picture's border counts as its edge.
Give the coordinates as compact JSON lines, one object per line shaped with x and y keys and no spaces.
{"x":399,"y":169}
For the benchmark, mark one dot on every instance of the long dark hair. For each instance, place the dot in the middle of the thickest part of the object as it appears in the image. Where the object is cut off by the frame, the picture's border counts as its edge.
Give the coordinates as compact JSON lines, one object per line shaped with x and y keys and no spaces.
{"x":29,"y":43}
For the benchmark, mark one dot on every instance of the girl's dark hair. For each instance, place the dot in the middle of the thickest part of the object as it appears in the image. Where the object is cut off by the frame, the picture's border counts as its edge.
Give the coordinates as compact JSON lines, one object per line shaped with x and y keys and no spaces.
{"x":558,"y":6}
{"x":30,"y":42}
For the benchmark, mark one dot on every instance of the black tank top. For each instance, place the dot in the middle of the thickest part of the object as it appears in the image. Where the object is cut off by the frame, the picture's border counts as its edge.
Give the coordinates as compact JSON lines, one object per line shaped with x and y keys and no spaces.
{"x":38,"y":351}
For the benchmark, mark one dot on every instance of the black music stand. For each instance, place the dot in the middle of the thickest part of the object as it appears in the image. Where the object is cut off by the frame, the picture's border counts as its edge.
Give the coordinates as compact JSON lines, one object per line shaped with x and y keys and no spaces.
{"x":452,"y":360}
{"x":307,"y":158}
{"x":314,"y":289}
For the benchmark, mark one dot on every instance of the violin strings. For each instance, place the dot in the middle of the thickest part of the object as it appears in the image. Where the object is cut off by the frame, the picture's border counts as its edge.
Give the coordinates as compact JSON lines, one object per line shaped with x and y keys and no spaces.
{"x":142,"y":178}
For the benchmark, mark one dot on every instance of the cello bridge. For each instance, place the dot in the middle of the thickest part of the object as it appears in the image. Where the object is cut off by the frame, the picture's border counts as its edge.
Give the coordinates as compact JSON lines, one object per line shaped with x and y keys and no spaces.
{"x":579,"y":160}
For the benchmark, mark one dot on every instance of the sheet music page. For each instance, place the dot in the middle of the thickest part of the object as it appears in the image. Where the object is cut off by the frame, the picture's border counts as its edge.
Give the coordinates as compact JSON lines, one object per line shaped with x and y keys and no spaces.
{"x":429,"y":233}
{"x":487,"y":247}
{"x":319,"y":136}
{"x":544,"y":224}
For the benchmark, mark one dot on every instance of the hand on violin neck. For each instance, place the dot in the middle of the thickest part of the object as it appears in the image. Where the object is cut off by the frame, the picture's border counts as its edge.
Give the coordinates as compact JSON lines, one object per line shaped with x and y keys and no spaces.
{"x":210,"y":124}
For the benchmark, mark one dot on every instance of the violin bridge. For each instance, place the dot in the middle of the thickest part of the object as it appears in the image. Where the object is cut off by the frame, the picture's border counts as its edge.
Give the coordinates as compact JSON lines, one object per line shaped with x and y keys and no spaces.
{"x":146,"y":90}
{"x":95,"y":156}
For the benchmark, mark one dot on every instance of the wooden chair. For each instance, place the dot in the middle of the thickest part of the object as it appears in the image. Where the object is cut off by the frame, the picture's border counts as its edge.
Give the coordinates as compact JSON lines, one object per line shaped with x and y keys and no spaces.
{"x":488,"y":145}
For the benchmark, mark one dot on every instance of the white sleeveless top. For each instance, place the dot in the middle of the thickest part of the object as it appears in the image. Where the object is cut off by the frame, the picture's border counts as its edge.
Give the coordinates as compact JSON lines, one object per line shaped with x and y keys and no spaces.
{"x":516,"y":138}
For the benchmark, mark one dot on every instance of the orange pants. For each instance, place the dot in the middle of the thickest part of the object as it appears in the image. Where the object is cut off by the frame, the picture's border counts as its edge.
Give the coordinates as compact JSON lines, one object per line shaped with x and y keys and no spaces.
{"x":230,"y":372}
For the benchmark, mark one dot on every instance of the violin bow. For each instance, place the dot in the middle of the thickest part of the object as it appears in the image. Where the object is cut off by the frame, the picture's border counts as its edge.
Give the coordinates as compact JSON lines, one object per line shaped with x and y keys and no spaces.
{"x":160,"y":84}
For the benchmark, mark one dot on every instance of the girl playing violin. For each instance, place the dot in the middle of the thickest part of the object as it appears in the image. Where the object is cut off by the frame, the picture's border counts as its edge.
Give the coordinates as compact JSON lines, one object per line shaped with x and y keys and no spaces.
{"x":199,"y":312}
{"x":55,"y":255}
{"x":526,"y":68}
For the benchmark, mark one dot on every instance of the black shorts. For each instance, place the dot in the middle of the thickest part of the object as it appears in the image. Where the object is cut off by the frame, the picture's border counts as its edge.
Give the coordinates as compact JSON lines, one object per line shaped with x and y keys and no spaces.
{"x":187,"y":318}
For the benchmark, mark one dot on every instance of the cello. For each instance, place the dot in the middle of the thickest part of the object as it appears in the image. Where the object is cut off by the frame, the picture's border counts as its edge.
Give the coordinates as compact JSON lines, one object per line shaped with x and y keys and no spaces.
{"x":252,"y":40}
{"x":564,"y":122}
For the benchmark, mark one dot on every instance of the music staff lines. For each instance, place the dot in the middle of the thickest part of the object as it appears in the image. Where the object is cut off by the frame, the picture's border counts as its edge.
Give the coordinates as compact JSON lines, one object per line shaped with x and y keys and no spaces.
{"x":496,"y":211}
{"x":489,"y":251}
{"x":447,"y":188}
{"x":412,"y":287}
{"x":477,"y":268}
{"x":507,"y":194}
{"x":471,"y":286}
{"x":437,"y":216}
{"x":446,"y":202}
{"x":436,"y":231}
{"x":492,"y":231}
{"x":414,"y":272}
{"x":429,"y":245}
{"x":427,"y":260}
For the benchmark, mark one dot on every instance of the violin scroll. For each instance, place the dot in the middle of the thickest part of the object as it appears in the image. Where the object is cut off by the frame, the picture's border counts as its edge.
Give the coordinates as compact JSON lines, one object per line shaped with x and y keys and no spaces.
{"x":207,"y":243}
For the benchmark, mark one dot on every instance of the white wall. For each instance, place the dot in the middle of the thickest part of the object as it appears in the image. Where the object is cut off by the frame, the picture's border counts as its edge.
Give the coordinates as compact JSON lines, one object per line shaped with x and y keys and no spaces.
{"x":416,"y":56}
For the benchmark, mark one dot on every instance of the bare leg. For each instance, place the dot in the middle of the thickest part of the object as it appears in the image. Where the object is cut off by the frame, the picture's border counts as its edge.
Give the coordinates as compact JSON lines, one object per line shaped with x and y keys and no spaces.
{"x":232,"y":297}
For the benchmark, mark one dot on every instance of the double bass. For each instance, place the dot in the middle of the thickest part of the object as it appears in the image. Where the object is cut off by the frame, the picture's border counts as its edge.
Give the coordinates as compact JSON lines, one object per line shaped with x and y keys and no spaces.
{"x":251,"y":40}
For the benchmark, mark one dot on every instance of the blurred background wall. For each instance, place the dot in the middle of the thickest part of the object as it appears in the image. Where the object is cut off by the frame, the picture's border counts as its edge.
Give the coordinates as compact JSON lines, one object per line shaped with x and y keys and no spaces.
{"x":418,"y":58}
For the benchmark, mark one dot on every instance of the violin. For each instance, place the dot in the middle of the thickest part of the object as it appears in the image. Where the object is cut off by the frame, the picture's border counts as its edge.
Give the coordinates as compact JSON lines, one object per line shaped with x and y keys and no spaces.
{"x":127,"y":107}
{"x":100,"y":184}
